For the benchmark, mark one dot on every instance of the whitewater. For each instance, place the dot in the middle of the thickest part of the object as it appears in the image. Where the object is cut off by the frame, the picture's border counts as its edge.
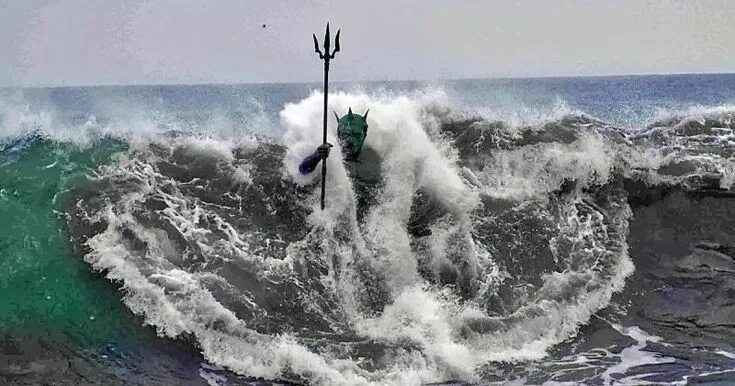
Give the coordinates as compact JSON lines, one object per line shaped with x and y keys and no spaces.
{"x":537,"y":231}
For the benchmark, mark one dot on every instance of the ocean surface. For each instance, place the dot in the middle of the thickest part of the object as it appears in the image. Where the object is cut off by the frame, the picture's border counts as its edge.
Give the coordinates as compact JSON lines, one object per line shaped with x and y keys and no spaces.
{"x":516,"y":231}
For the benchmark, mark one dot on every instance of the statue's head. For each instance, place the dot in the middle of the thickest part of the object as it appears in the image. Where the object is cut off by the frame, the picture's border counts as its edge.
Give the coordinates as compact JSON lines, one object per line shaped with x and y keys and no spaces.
{"x":351,"y":131}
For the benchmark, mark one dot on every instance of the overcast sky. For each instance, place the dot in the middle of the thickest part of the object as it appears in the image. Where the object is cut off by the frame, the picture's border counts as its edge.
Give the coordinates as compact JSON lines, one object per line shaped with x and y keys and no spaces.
{"x":76,"y":42}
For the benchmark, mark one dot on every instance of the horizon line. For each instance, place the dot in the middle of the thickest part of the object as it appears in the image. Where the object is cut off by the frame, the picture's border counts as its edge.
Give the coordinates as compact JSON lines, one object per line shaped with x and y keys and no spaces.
{"x":267,"y":83}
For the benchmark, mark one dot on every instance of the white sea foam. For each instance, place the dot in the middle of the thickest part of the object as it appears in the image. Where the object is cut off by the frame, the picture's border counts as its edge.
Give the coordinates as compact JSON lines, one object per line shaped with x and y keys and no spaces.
{"x":538,"y":169}
{"x":518,"y":115}
{"x":128,"y":119}
{"x":634,"y":356}
{"x":696,"y":112}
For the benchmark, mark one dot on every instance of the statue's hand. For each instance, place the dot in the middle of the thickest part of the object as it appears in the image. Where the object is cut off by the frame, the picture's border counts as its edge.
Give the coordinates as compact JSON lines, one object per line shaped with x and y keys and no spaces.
{"x":323,"y":150}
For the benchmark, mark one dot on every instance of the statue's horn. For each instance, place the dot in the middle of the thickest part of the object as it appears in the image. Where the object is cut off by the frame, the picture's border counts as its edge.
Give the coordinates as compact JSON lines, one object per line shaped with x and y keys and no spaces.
{"x":366,"y":113}
{"x":336,"y":116}
{"x":350,"y":112}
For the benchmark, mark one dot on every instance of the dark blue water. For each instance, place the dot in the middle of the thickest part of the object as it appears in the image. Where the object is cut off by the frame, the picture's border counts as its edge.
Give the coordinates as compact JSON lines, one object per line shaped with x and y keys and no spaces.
{"x":626,"y":101}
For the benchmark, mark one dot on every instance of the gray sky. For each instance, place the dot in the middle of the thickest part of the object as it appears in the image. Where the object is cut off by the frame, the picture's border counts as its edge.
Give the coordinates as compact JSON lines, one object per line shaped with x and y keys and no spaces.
{"x":77,"y":42}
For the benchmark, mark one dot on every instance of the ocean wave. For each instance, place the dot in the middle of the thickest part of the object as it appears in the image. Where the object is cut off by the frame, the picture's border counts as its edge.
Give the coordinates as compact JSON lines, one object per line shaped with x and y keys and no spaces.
{"x":483,"y":240}
{"x":202,"y":250}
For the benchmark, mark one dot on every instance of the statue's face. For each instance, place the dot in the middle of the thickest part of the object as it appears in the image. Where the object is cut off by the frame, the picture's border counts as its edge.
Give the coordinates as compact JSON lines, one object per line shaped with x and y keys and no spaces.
{"x":352,"y":130}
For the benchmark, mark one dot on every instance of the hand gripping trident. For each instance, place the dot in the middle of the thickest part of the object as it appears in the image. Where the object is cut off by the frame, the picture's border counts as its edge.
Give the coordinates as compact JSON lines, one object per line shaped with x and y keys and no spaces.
{"x":326,"y":56}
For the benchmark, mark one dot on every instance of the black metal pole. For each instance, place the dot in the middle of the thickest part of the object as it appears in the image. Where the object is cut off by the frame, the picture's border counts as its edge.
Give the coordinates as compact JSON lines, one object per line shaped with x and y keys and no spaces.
{"x":324,"y":137}
{"x":327,"y":57}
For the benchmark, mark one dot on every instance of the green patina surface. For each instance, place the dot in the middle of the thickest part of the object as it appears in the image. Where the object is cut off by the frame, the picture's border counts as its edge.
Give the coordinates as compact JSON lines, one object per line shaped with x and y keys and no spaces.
{"x":352,"y":130}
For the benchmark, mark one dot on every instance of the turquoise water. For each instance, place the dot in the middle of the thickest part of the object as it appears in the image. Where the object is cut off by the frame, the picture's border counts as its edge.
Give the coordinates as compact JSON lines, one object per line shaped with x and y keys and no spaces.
{"x":60,"y":320}
{"x":44,"y":281}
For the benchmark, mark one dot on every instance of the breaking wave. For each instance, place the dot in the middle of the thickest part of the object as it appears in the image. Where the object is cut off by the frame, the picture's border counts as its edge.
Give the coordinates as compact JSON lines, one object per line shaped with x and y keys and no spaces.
{"x":480,"y":241}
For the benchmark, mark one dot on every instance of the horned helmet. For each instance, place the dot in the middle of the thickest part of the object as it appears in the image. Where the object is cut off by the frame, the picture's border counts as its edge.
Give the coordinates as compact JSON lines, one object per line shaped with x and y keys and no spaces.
{"x":351,"y":131}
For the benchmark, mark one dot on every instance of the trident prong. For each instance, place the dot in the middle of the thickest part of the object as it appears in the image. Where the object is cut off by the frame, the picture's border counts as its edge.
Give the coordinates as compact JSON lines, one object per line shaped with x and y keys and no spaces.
{"x":316,"y":47}
{"x":336,"y":45}
{"x":327,"y":44}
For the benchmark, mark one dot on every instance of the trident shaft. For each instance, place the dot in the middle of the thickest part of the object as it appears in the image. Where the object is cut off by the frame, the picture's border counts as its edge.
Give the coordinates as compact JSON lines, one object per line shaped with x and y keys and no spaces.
{"x":326,"y":56}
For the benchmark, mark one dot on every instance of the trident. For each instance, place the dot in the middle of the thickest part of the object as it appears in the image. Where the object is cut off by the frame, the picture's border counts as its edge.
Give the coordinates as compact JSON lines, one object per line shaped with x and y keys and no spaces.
{"x":326,"y":56}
